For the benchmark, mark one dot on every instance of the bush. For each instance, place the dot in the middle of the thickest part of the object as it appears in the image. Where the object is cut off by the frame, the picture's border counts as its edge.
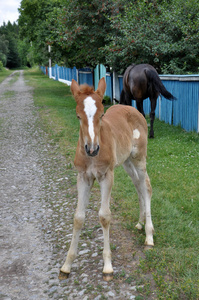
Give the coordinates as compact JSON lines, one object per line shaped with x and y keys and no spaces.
{"x":1,"y":66}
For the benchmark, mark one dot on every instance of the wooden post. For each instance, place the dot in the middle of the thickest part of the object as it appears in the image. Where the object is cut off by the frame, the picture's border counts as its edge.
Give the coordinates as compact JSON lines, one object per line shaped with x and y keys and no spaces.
{"x":50,"y":66}
{"x":114,"y":87}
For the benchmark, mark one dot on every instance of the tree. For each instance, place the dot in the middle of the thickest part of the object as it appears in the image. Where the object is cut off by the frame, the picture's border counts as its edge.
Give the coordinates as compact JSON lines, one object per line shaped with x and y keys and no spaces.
{"x":34,"y":27}
{"x":3,"y":49}
{"x":162,"y":33}
{"x":10,"y":38}
{"x":79,"y":30}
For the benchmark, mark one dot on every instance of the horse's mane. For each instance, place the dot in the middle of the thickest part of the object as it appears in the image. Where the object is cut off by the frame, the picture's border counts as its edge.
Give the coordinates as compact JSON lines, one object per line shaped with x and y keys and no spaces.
{"x":86,"y":89}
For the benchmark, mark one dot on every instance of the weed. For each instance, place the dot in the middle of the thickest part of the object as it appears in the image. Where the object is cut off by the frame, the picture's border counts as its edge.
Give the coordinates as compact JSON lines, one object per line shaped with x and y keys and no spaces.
{"x":76,"y":282}
{"x":139,"y":297}
{"x":9,"y":94}
{"x":99,"y":287}
{"x":130,"y":279}
{"x":103,"y":297}
{"x":113,"y":247}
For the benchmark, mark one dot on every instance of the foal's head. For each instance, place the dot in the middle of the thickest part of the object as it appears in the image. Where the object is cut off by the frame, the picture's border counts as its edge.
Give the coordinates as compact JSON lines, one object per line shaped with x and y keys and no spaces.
{"x":89,"y":111}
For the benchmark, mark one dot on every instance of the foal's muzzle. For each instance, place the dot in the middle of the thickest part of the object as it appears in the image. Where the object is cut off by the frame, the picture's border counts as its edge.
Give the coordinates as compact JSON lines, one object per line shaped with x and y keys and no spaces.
{"x":90,"y":151}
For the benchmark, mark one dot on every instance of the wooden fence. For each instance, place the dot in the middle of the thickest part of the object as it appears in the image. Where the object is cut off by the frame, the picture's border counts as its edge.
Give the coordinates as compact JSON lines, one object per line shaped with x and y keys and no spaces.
{"x":184,"y":111}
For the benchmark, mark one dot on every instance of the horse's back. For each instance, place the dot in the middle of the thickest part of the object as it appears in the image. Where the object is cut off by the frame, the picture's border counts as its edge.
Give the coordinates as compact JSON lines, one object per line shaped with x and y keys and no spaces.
{"x":135,"y":81}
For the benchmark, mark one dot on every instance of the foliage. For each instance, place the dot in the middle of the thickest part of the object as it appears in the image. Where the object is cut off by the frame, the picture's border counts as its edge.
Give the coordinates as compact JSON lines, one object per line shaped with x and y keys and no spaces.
{"x":33,"y":27}
{"x":1,"y":65}
{"x":80,"y":28}
{"x":23,"y":50}
{"x":9,"y":41}
{"x":10,"y":46}
{"x":162,"y":33}
{"x":3,"y":48}
{"x":115,"y":33}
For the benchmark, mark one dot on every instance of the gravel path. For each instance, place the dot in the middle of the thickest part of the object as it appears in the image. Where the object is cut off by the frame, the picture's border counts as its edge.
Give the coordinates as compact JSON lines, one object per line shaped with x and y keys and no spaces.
{"x":37,"y":202}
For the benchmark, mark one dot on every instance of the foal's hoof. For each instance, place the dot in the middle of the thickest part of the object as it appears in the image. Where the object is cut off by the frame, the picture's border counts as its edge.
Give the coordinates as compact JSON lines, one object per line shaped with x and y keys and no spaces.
{"x":139,"y":226}
{"x":63,"y":276}
{"x":107,"y":276}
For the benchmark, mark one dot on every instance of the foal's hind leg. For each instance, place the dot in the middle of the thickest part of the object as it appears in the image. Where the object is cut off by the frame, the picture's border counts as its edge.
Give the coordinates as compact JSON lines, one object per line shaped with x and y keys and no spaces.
{"x":140,"y":178}
{"x":84,"y":185}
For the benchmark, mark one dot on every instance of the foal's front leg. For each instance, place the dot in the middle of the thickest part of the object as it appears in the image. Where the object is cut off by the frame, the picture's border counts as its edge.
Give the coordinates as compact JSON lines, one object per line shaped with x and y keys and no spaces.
{"x":84,"y":185}
{"x":105,"y":218}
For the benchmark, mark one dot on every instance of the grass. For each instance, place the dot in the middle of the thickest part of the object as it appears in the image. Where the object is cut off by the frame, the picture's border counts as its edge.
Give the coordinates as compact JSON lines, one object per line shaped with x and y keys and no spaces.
{"x":4,"y":73}
{"x":173,"y":160}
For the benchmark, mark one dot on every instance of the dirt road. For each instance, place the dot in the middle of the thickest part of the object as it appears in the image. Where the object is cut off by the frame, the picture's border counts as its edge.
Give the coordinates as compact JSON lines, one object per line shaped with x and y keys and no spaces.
{"x":37,"y":202}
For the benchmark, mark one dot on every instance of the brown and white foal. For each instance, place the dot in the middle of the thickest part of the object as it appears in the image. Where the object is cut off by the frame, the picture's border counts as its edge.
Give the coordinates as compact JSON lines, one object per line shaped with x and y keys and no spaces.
{"x":106,"y":141}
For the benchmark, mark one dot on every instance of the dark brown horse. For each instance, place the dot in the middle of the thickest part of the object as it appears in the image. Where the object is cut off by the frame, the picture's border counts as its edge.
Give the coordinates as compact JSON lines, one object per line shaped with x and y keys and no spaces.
{"x":140,"y":82}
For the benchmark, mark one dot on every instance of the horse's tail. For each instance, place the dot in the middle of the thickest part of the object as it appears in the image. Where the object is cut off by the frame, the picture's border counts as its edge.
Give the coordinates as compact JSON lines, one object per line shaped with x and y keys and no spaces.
{"x":156,"y":83}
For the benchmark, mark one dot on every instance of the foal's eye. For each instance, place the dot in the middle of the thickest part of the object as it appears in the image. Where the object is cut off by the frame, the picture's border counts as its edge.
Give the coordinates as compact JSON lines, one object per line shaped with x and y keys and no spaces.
{"x":78,"y":117}
{"x":101,"y":116}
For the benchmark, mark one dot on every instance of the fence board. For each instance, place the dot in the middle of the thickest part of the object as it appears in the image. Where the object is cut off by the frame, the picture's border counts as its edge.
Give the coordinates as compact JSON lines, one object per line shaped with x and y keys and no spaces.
{"x":85,"y":76}
{"x":185,"y":110}
{"x":109,"y":84}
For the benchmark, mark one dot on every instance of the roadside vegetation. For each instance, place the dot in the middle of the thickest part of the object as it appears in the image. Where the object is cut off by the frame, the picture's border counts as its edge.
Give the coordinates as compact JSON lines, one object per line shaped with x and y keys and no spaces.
{"x":172,"y":267}
{"x":4,"y":73}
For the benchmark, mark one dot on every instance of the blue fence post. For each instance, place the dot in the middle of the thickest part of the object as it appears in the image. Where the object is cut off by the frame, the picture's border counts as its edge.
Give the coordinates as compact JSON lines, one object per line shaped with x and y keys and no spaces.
{"x":85,"y":76}
{"x":56,"y":72}
{"x":74,"y":73}
{"x":109,"y":85}
{"x":102,"y":71}
{"x":96,"y":76}
{"x":65,"y":73}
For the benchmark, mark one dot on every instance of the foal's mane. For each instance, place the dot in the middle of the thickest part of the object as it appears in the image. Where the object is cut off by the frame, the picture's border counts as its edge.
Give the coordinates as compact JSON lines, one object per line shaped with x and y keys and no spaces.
{"x":86,"y":89}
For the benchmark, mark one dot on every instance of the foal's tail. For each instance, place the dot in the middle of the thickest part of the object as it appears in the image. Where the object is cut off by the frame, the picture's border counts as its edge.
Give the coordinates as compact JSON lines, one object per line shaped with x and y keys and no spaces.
{"x":156,"y":84}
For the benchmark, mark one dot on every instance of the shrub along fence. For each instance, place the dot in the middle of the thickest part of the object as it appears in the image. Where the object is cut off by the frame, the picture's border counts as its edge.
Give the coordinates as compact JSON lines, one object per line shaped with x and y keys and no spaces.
{"x":184,"y":111}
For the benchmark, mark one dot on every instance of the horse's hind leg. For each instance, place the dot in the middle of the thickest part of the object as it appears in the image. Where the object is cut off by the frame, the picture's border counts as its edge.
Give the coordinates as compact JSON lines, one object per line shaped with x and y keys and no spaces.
{"x":84,"y":185}
{"x":152,"y":115}
{"x":140,"y":108}
{"x":105,"y":218}
{"x":140,"y":178}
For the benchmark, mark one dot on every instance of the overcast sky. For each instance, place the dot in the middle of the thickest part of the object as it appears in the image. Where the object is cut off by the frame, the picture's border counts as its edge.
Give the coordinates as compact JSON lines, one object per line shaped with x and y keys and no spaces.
{"x":9,"y":11}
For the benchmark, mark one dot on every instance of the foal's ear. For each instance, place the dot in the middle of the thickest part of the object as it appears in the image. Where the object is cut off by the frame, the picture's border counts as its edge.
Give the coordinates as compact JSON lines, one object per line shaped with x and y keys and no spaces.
{"x":101,"y":87}
{"x":75,"y":88}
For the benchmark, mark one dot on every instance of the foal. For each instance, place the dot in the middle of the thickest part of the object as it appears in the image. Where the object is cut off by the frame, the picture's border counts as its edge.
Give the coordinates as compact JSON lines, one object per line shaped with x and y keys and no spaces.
{"x":106,"y":141}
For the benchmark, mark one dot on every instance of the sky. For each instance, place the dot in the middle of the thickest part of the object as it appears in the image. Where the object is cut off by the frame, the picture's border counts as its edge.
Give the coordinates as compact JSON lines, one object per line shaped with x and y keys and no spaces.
{"x":9,"y":11}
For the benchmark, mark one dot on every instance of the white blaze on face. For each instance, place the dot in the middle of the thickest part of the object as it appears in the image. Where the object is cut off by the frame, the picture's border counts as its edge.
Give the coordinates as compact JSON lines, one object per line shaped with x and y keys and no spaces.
{"x":90,"y":110}
{"x":136,"y":134}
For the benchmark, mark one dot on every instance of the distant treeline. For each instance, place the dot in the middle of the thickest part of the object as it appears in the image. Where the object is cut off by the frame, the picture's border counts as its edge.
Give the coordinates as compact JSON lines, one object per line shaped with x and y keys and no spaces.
{"x":12,"y":52}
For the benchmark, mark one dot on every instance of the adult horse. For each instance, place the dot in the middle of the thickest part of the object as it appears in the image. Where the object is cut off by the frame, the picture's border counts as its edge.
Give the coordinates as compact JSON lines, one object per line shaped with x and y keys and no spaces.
{"x":140,"y":82}
{"x":106,"y":141}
